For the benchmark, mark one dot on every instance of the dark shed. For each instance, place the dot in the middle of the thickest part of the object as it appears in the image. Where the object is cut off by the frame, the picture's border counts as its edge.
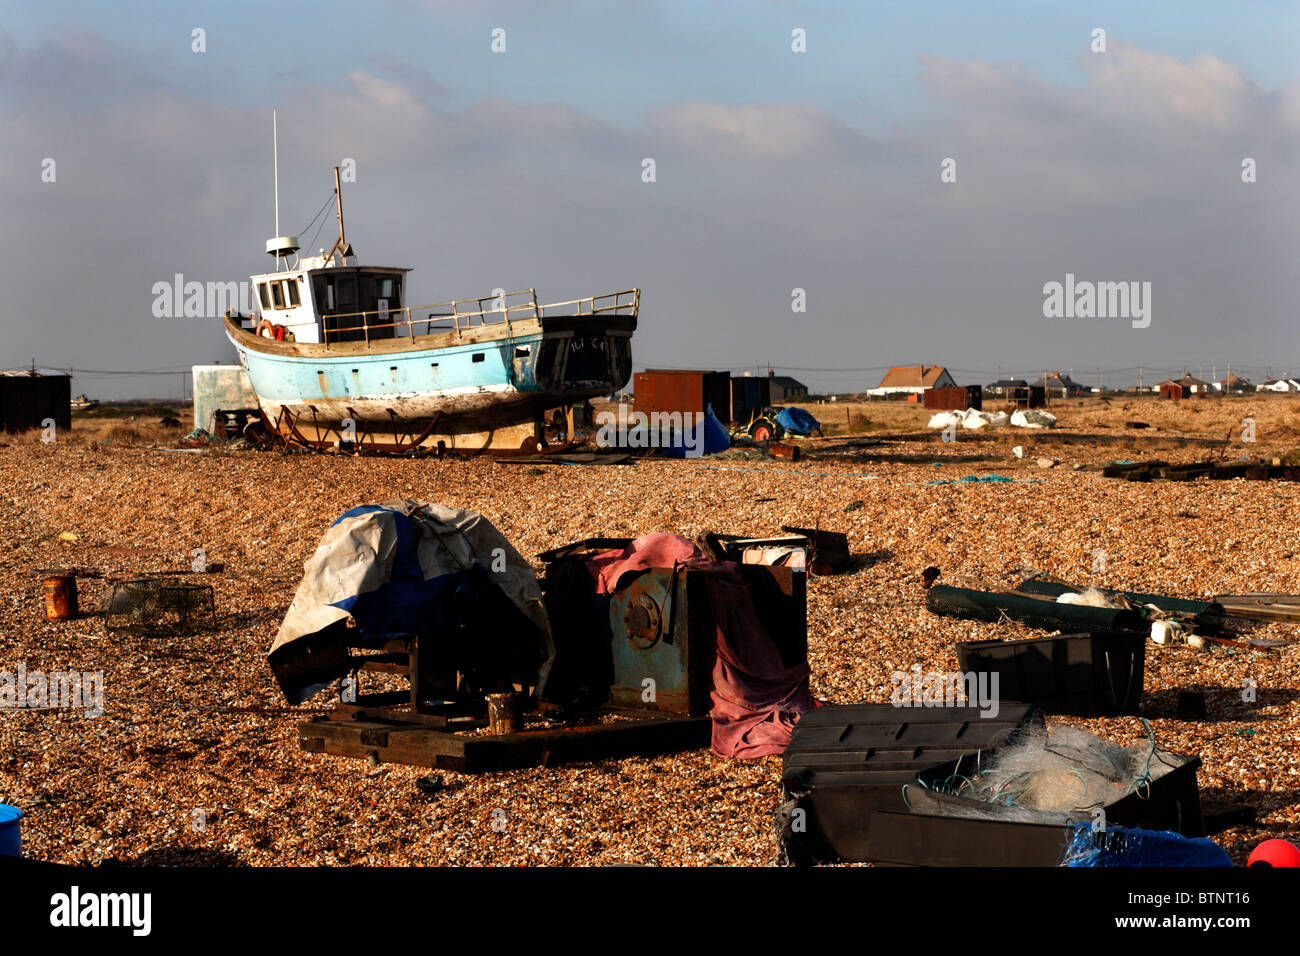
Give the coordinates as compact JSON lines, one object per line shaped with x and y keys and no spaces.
{"x":749,"y":393}
{"x":29,"y":397}
{"x":682,"y":390}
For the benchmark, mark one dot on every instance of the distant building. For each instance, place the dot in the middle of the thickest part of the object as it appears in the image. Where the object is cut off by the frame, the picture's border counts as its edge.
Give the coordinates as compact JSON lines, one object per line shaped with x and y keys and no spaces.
{"x":29,"y":398}
{"x":1005,"y":386}
{"x":783,"y":388}
{"x":1280,"y":385}
{"x":913,"y":379}
{"x":1060,"y":385}
{"x":1234,"y":383}
{"x":1183,"y":387}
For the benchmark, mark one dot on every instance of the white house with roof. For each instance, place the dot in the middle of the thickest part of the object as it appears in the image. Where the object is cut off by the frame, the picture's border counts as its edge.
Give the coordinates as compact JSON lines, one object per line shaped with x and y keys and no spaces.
{"x":913,"y":379}
{"x":1287,"y":384}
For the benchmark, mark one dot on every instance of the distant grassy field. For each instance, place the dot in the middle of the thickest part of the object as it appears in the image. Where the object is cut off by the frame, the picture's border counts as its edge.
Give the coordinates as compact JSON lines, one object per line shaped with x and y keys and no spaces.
{"x":1276,"y":417}
{"x":144,"y":408}
{"x":126,"y":423}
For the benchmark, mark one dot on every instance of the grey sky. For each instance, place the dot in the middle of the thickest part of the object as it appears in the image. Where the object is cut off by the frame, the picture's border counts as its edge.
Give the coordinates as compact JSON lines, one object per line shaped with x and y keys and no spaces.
{"x":1132,"y":172}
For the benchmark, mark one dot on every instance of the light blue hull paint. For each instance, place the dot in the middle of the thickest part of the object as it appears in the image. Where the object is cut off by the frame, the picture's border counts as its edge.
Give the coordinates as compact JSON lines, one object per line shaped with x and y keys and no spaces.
{"x":416,"y":384}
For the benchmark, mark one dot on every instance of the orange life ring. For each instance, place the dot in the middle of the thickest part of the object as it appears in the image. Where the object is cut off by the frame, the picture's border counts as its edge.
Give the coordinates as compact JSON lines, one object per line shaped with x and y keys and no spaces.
{"x":267,"y":329}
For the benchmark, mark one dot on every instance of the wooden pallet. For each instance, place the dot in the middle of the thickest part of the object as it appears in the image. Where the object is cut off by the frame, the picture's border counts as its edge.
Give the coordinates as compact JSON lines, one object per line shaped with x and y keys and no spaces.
{"x":1262,"y":606}
{"x":429,"y":740}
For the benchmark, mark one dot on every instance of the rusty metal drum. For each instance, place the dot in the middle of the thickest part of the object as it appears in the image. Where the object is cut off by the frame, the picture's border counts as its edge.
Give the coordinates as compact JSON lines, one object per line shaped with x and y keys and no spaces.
{"x":60,"y":591}
{"x":503,"y":714}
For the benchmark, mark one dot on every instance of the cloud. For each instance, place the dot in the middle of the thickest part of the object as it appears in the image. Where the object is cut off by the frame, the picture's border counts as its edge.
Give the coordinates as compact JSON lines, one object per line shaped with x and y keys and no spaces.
{"x":72,"y":71}
{"x":754,"y":131}
{"x":1133,"y":174}
{"x":1145,"y":127}
{"x":7,"y":47}
{"x":1204,"y":92}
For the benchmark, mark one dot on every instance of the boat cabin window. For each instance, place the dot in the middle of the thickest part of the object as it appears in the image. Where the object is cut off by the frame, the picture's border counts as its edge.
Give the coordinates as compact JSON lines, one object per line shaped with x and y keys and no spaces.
{"x":279,"y":294}
{"x":355,"y":306}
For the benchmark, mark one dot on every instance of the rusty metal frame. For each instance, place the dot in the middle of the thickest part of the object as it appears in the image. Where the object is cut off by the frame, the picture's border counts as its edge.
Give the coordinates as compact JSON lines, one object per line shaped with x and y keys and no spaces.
{"x":293,"y":432}
{"x":285,"y":430}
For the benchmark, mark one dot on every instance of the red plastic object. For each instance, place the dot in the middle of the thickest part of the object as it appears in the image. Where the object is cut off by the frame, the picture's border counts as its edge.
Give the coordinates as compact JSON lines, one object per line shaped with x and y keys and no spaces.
{"x":1275,"y":853}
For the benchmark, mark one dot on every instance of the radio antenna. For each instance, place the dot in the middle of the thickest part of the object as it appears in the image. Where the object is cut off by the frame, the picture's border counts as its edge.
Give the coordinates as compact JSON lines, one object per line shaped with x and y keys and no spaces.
{"x":275,"y":151}
{"x":280,"y":246}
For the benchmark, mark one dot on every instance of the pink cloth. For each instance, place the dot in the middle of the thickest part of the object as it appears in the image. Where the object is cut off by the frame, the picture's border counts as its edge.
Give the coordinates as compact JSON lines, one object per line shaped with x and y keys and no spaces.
{"x":756,"y":698}
{"x":648,"y":551}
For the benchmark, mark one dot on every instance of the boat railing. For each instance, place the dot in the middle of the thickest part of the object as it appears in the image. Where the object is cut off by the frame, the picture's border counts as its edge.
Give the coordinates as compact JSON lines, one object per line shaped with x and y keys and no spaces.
{"x":627,"y":302}
{"x":461,"y":315}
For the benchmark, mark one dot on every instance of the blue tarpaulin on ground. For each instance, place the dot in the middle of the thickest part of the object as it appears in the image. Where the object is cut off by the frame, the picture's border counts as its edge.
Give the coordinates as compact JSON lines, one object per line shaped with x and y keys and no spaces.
{"x":708,"y":438}
{"x":796,"y":421}
{"x":1120,"y":846}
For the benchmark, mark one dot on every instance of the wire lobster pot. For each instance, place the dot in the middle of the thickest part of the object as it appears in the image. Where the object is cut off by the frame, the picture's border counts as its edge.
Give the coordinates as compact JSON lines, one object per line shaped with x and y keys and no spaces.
{"x":160,"y":607}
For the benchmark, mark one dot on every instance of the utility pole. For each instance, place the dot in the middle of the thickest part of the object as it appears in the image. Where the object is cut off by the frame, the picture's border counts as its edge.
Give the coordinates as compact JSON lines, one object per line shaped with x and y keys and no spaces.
{"x":1139,"y":378}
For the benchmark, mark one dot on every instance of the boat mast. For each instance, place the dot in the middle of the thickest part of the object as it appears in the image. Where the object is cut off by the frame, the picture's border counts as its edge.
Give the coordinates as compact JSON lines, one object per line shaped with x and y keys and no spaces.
{"x":275,"y":151}
{"x":340,"y":243}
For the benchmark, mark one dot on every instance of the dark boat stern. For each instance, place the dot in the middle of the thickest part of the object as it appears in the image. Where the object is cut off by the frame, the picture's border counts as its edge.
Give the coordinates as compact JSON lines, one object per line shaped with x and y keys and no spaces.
{"x":584,"y":356}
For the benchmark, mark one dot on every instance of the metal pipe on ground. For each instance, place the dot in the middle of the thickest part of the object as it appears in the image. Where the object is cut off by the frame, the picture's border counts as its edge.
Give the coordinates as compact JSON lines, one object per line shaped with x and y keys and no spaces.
{"x":948,"y":601}
{"x":1207,"y":615}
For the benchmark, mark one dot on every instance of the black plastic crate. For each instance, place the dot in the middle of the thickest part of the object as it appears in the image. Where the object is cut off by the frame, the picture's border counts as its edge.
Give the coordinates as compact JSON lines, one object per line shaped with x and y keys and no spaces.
{"x":1098,"y":674}
{"x":916,"y":839}
{"x":935,"y":831}
{"x":846,"y":762}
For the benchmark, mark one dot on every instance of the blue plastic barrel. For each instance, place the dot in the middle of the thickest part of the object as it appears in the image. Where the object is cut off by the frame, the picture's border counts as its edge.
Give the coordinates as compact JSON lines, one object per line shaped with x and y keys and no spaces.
{"x":11,"y":841}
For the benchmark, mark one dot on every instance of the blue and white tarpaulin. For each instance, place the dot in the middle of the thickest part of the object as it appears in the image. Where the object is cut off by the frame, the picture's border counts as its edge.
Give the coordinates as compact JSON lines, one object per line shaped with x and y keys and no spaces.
{"x":401,"y":569}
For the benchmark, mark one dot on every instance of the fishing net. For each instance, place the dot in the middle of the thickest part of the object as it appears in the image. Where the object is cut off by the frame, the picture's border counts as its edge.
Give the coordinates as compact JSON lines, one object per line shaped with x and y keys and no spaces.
{"x":1061,"y":770}
{"x":160,"y":607}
